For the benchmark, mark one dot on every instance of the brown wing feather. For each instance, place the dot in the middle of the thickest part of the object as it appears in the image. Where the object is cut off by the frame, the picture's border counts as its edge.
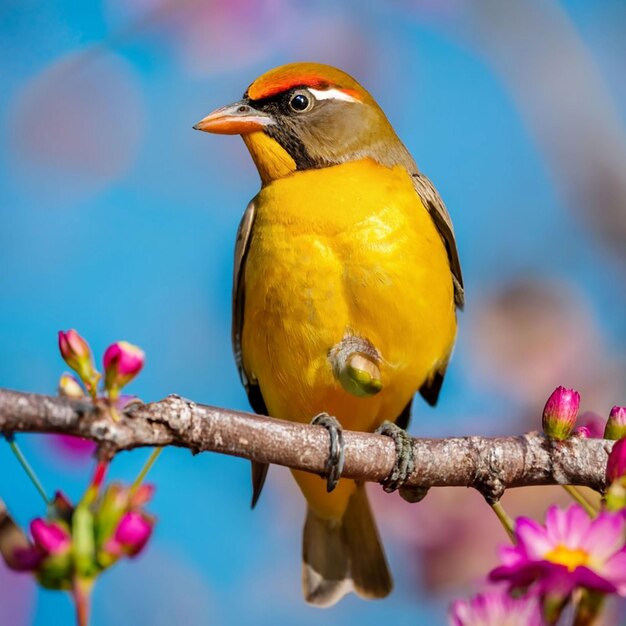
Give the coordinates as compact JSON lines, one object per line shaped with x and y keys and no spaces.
{"x":434,"y":204}
{"x":437,"y":209}
{"x":244,"y":233}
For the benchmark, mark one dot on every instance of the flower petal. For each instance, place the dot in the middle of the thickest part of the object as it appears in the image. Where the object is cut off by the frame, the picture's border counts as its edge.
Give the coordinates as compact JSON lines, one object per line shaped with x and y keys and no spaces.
{"x":614,"y":569}
{"x":590,"y":580}
{"x":605,"y":537}
{"x":532,"y":538}
{"x":567,"y":527}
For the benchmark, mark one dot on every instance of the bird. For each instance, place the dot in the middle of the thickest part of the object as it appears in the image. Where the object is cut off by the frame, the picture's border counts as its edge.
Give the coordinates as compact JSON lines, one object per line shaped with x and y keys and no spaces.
{"x":347,"y":283}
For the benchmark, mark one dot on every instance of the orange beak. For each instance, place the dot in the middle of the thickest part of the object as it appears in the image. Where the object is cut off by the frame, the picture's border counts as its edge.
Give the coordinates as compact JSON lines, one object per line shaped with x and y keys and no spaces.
{"x":234,"y":119}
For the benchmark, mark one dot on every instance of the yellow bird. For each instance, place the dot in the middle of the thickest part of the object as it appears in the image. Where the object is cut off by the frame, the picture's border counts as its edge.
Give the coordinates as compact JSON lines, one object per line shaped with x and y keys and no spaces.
{"x":347,"y":281}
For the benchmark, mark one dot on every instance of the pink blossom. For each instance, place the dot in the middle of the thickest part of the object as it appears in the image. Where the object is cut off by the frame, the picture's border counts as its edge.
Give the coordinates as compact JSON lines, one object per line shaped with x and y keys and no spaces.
{"x":72,"y":345}
{"x":496,"y":607}
{"x":616,"y":424}
{"x":50,"y":537}
{"x":122,"y":362}
{"x":132,"y":532}
{"x":559,"y":414}
{"x":570,"y":550}
{"x":77,"y":354}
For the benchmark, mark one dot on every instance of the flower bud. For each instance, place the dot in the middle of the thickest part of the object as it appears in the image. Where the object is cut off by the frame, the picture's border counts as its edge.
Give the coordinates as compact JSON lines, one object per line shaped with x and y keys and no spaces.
{"x":616,"y":465}
{"x":69,"y":387}
{"x":559,"y":414}
{"x":131,"y":534}
{"x":61,"y":507}
{"x":141,"y":496}
{"x":122,"y":362}
{"x":616,"y":424}
{"x":584,"y":432}
{"x":51,"y":538}
{"x":77,"y":354}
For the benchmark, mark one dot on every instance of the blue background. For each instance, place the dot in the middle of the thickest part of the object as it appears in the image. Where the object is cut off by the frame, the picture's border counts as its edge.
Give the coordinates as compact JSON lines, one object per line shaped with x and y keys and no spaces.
{"x":117,"y":219}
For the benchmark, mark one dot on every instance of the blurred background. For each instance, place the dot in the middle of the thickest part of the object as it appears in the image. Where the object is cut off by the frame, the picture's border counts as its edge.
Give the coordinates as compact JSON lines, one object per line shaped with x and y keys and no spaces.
{"x":117,"y":219}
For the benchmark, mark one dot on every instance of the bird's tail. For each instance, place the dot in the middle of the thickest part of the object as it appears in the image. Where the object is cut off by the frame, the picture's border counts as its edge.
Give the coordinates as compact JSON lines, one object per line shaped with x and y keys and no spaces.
{"x":339,"y":556}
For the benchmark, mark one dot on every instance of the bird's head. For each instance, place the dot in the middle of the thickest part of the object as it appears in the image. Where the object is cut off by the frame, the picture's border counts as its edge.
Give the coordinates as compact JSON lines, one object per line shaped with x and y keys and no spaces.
{"x":307,"y":115}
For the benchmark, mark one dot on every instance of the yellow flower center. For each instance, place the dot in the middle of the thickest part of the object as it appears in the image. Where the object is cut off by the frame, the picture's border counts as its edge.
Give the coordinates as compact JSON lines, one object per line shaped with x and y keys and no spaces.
{"x":570,"y":557}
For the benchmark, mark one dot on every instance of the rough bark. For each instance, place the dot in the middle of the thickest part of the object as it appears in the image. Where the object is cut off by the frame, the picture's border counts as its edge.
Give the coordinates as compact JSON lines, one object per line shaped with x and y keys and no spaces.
{"x":489,"y":464}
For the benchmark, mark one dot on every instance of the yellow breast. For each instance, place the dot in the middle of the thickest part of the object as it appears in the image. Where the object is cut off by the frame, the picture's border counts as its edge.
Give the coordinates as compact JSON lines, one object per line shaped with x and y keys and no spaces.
{"x":349,"y":248}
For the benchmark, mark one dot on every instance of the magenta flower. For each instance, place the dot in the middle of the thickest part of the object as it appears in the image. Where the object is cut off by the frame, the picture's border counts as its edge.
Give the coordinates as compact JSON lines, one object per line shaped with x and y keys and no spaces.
{"x":496,"y":607}
{"x":559,"y":414}
{"x":616,"y":465}
{"x":131,"y":535}
{"x":77,"y":354}
{"x":616,"y":424}
{"x":122,"y":362}
{"x":72,"y":345}
{"x":49,"y":537}
{"x":570,"y":551}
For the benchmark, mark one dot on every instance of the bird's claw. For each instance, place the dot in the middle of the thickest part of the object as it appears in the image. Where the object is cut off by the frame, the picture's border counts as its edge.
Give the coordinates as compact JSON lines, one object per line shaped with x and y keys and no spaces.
{"x":335,"y":460}
{"x":404,"y":456}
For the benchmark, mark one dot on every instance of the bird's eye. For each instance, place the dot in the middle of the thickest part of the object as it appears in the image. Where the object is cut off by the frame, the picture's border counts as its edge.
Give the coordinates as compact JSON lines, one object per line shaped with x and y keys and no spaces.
{"x":300,"y":102}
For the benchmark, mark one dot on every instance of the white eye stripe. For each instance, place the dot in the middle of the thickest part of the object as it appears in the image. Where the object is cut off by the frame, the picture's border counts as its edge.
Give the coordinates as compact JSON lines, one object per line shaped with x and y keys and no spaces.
{"x":332,"y":94}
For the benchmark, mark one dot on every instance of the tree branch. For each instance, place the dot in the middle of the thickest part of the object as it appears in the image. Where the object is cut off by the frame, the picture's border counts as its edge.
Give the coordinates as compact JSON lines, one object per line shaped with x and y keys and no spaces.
{"x":489,"y":464}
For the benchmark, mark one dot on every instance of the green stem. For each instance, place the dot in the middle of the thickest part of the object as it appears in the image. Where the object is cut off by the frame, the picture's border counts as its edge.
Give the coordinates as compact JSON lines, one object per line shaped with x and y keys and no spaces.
{"x":576,"y":495}
{"x":505,"y":520}
{"x":146,"y":468}
{"x":27,"y":468}
{"x":588,"y":608}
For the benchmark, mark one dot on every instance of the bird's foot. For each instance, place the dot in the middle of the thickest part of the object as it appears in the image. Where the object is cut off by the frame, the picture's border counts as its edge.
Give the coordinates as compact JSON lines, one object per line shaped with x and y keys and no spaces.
{"x":334,"y":463}
{"x":404,"y":456}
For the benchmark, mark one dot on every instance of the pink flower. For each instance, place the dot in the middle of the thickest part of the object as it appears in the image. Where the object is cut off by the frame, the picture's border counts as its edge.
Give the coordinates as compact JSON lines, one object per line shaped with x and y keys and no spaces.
{"x":122,"y":362}
{"x":559,"y":414}
{"x":570,"y":551}
{"x":131,"y":535}
{"x":616,"y":465}
{"x":76,"y":353}
{"x":73,"y":346}
{"x":616,"y":424}
{"x":49,"y":537}
{"x":496,"y":607}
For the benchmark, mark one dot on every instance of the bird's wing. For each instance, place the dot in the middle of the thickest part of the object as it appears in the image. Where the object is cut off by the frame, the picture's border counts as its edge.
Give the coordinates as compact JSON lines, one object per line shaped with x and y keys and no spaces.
{"x":244,"y":235}
{"x":437,"y":209}
{"x":434,"y":205}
